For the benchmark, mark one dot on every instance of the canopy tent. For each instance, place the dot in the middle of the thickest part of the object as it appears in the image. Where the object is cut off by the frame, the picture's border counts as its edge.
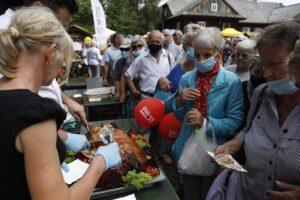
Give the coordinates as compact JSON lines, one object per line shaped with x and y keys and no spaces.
{"x":231,"y":32}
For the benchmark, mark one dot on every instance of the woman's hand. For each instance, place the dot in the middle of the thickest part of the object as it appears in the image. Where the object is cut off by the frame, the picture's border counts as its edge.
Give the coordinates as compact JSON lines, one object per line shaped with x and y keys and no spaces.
{"x":194,"y":117}
{"x":291,"y":192}
{"x":231,"y":147}
{"x":222,"y":149}
{"x":187,"y":94}
{"x":164,"y":84}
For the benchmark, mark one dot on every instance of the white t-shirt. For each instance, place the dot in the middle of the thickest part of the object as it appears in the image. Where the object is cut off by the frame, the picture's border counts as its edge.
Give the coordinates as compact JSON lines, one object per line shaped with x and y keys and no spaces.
{"x":94,"y":57}
{"x":245,"y":76}
{"x":149,"y":70}
{"x":52,"y":91}
{"x":6,"y":18}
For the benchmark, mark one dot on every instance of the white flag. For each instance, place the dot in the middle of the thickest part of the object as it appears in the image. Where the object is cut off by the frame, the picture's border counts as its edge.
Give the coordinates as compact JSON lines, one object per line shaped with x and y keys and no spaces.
{"x":99,"y":22}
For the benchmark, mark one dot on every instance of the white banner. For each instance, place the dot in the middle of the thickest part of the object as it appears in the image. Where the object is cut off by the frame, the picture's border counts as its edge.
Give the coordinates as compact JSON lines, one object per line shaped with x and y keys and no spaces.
{"x":99,"y":22}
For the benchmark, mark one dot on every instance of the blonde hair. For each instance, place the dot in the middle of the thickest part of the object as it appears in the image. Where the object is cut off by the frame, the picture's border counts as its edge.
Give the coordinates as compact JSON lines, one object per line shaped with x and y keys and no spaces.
{"x":32,"y":28}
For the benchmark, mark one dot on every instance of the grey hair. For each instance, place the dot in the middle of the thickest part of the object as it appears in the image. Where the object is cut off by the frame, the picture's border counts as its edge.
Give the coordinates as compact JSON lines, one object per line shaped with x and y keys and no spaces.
{"x":32,"y":28}
{"x":156,"y":31}
{"x":191,"y":28}
{"x":246,"y":45}
{"x":138,"y":39}
{"x":188,"y":38}
{"x":209,"y":38}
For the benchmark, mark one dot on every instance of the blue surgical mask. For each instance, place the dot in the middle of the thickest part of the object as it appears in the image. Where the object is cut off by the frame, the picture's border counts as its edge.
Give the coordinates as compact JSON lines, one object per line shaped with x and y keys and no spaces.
{"x":205,"y":65}
{"x":284,"y":86}
{"x":190,"y":53}
{"x":139,"y":52}
{"x":125,"y":54}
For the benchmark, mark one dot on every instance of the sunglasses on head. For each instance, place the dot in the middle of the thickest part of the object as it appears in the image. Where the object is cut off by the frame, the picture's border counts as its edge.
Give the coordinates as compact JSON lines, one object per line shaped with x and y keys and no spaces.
{"x":138,"y":46}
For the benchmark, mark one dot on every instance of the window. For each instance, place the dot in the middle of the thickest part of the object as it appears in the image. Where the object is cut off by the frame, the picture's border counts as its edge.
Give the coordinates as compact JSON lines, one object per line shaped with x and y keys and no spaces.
{"x":246,"y":29}
{"x":214,"y":7}
{"x":201,"y":23}
{"x":178,"y":25}
{"x":165,"y":12}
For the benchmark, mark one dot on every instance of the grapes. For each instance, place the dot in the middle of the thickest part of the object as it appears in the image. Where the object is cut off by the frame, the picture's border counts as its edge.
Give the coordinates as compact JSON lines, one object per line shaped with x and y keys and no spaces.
{"x":137,"y":180}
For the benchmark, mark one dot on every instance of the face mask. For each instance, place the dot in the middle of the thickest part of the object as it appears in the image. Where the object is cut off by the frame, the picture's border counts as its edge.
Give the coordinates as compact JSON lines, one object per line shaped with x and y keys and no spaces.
{"x":190,"y":53}
{"x":139,"y":52}
{"x":205,"y":65}
{"x":125,"y":54}
{"x":283,"y":86}
{"x":154,"y":48}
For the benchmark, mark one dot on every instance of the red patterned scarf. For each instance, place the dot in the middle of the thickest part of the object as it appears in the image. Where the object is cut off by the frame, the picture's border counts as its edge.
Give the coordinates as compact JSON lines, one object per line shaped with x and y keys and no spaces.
{"x":203,"y":84}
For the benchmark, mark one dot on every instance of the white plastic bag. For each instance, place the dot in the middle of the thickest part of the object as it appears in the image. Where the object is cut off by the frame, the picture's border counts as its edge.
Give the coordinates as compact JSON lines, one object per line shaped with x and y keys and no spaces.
{"x":194,"y":160}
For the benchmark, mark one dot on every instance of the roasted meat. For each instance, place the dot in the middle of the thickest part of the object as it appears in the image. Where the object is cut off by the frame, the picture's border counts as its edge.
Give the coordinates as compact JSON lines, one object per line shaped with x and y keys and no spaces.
{"x":132,"y":157}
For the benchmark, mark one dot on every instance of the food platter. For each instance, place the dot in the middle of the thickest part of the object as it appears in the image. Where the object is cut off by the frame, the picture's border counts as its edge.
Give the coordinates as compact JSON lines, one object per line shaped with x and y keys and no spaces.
{"x":139,"y":167}
{"x":101,"y":193}
{"x":227,"y":161}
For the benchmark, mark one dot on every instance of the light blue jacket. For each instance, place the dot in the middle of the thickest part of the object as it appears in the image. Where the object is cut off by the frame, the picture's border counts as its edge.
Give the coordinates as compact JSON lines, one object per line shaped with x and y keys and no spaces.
{"x":225,"y":107}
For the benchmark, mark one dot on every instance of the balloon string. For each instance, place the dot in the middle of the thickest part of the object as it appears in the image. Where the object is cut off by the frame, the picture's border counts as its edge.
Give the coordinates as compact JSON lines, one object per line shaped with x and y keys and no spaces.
{"x":170,"y":97}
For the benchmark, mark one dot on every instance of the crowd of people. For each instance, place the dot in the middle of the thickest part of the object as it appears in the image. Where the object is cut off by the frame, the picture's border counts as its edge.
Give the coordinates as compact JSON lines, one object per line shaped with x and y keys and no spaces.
{"x":247,"y":90}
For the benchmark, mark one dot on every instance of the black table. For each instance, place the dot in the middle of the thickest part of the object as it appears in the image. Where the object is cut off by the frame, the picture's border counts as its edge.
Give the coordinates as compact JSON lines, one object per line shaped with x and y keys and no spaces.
{"x":107,"y":108}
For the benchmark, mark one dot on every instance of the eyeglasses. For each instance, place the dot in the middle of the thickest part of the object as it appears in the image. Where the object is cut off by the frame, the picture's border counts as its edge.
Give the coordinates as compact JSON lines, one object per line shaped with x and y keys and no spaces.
{"x":138,"y":46}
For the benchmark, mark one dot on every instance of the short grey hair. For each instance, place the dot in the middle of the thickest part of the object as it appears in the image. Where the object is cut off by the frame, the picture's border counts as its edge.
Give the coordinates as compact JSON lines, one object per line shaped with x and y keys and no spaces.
{"x":209,"y":38}
{"x":138,"y":39}
{"x":188,"y":38}
{"x":246,"y":45}
{"x":156,"y":31}
{"x":191,"y":28}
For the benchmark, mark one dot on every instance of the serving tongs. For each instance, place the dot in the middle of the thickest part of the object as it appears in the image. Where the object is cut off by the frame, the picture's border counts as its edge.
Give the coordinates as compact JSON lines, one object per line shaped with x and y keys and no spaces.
{"x":87,"y":126}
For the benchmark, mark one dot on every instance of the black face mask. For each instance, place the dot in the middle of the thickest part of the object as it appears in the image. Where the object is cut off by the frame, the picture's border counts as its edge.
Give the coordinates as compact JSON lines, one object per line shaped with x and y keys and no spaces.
{"x":154,"y":48}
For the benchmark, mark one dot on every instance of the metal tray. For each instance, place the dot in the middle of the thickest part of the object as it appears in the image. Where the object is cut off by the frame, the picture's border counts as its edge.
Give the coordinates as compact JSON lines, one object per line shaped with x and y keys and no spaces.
{"x":99,"y":193}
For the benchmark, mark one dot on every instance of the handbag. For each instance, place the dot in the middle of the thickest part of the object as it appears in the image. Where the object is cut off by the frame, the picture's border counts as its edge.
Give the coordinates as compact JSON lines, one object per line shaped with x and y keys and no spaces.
{"x":224,"y":186}
{"x":194,"y":160}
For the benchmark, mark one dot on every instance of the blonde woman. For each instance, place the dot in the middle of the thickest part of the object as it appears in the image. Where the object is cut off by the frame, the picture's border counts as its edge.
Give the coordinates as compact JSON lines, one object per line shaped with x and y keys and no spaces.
{"x":32,"y":50}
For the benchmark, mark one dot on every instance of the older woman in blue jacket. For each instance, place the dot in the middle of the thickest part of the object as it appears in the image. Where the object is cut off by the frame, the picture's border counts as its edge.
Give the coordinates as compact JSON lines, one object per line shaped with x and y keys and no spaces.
{"x":211,"y":92}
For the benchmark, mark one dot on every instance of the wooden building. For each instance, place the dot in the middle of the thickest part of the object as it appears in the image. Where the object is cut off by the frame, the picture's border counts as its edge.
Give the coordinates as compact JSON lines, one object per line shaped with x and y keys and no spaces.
{"x":243,"y":15}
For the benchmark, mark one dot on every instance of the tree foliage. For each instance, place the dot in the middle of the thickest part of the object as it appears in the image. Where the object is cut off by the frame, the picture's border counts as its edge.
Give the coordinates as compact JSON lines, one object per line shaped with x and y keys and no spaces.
{"x":125,"y":16}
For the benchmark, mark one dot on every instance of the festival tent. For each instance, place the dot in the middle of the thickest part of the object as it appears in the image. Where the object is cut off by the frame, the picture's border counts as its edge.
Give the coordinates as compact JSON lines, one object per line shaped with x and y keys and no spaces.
{"x":231,"y":32}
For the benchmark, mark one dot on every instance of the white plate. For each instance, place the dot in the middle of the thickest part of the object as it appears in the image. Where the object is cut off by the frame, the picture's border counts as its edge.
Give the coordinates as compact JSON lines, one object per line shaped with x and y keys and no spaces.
{"x":98,"y":91}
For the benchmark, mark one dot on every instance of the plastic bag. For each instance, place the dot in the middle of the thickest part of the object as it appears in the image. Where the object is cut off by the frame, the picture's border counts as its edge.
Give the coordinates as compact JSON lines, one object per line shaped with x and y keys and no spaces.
{"x":194,"y":160}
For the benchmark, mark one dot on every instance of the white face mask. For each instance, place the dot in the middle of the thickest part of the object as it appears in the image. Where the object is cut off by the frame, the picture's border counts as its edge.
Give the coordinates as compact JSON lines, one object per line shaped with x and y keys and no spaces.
{"x":139,"y":52}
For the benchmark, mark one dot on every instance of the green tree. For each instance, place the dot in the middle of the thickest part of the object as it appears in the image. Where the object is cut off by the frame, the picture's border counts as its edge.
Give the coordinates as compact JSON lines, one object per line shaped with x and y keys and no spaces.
{"x":121,"y":16}
{"x":124,"y":16}
{"x":151,"y":15}
{"x":84,"y":17}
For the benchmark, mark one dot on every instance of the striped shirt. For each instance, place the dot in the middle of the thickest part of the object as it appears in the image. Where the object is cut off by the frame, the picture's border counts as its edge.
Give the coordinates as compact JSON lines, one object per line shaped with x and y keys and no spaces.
{"x":272,"y":152}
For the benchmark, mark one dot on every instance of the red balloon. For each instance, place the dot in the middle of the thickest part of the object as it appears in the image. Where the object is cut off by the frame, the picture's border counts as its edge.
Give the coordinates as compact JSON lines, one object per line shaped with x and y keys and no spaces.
{"x":149,"y":112}
{"x":169,"y":127}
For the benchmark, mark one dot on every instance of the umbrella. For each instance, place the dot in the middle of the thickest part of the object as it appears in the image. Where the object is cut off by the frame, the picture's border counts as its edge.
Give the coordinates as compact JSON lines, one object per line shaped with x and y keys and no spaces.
{"x":231,"y":32}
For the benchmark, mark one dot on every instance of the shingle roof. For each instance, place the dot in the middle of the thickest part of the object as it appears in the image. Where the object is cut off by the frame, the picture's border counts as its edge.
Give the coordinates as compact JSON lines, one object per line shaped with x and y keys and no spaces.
{"x":176,"y":6}
{"x":249,"y":10}
{"x":284,"y":13}
{"x":254,"y":12}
